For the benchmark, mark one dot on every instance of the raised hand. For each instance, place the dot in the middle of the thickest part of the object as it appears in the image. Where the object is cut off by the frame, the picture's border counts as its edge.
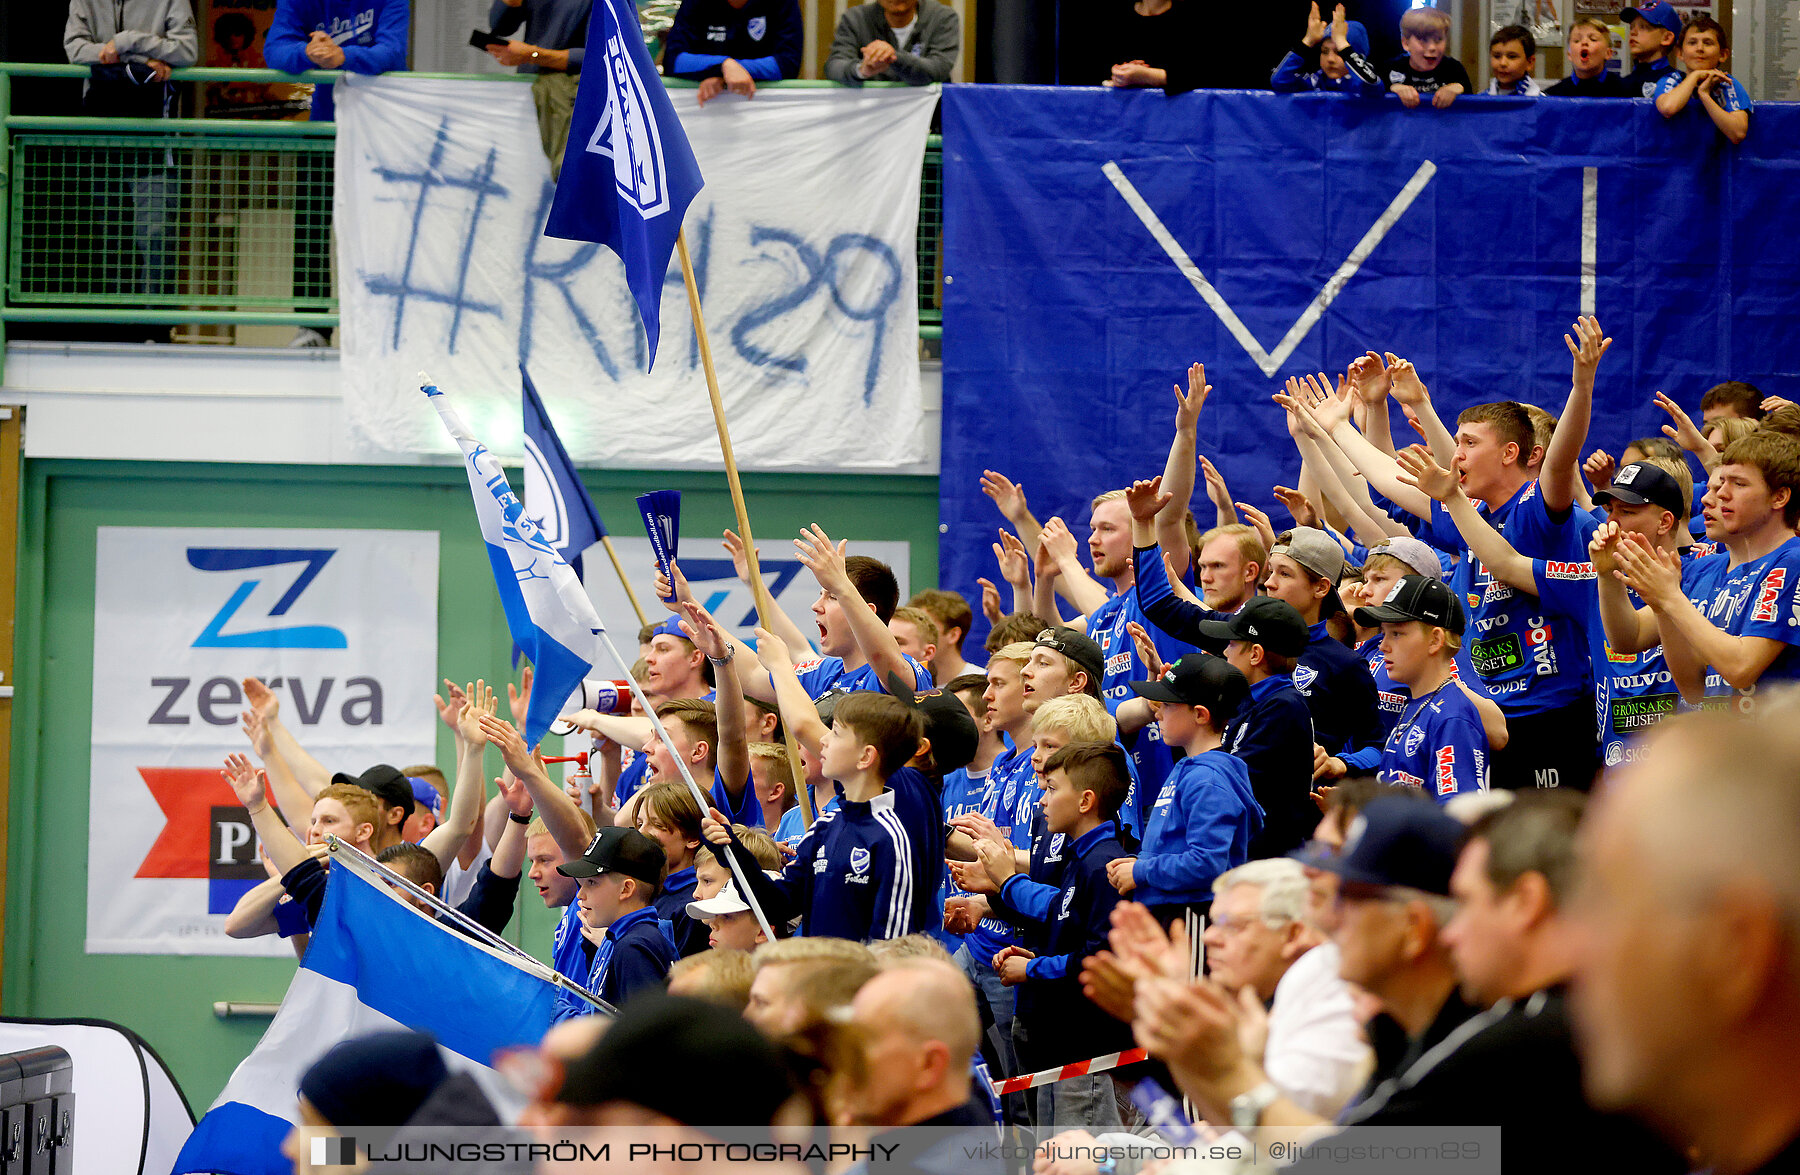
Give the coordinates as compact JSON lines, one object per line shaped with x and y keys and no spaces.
{"x":990,"y":601}
{"x":518,"y":800}
{"x":1599,"y":468}
{"x":1298,"y":505}
{"x":1217,"y":492}
{"x":261,"y":698}
{"x":513,"y":750}
{"x":1146,"y":650}
{"x":740,"y":558}
{"x":825,"y":559}
{"x":246,"y":782}
{"x":1683,"y":432}
{"x":670,"y":594}
{"x":1340,"y":29}
{"x":1328,"y":408}
{"x":703,"y":630}
{"x":482,"y":701}
{"x":1146,"y":498}
{"x":1587,"y":348}
{"x":257,"y":731}
{"x":451,"y":711}
{"x":1010,"y":498}
{"x":1367,"y":376}
{"x":1260,"y":521}
{"x":772,"y":651}
{"x":1187,"y":408}
{"x":1408,"y":389}
{"x":1315,"y":26}
{"x":1058,"y":543}
{"x":519,"y":700}
{"x":714,"y":827}
{"x":1015,"y":564}
{"x":1420,"y":469}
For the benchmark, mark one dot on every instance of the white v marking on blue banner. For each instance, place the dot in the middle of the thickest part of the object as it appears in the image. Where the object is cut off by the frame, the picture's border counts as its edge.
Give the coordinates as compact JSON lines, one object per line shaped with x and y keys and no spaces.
{"x":1268,"y":361}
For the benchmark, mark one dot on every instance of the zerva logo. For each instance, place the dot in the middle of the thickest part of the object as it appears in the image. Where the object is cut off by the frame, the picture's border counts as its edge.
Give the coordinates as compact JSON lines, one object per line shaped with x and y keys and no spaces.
{"x":300,"y":636}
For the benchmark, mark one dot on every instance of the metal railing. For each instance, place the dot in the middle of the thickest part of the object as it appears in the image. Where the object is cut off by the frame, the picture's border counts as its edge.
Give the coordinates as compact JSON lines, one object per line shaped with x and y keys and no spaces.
{"x":215,"y":222}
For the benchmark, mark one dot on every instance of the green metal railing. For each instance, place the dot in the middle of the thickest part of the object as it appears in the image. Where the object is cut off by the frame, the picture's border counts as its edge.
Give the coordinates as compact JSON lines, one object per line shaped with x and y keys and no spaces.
{"x":215,"y":221}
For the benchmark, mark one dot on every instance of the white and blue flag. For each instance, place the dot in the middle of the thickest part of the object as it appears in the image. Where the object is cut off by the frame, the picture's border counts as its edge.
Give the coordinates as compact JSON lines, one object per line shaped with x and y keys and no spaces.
{"x":552,"y":620}
{"x":628,"y":174}
{"x":375,"y":964}
{"x":555,"y":499}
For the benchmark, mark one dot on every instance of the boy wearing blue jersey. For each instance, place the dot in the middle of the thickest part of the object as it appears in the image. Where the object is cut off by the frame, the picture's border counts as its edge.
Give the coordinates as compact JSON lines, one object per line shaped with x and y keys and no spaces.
{"x":1655,"y":32}
{"x":966,"y":788}
{"x":1533,"y":662}
{"x":1704,"y":49}
{"x":855,"y":872}
{"x":1203,"y":821}
{"x":618,"y":878}
{"x":1438,"y":744}
{"x":1069,"y":919}
{"x":857,"y":598}
{"x":1321,"y":62}
{"x":733,"y":44}
{"x":1736,"y":614}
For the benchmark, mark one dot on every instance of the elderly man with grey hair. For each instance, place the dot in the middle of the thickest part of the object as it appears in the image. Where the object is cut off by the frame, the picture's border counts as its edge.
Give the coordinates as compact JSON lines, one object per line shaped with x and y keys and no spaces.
{"x":1291,"y":999}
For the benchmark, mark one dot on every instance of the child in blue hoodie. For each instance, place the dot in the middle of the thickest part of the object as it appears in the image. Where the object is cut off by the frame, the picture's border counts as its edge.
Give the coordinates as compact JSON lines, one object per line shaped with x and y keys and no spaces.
{"x":362,"y":36}
{"x":1324,"y":62}
{"x":1204,"y":818}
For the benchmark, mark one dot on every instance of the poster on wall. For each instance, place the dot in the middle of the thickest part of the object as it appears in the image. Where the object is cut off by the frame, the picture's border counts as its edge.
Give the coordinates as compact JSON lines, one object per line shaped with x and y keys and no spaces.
{"x":233,"y":32}
{"x":342,"y":626}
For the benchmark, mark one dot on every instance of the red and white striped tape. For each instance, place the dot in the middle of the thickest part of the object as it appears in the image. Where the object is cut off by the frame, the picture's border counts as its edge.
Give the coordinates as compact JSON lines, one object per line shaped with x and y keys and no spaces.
{"x":1063,"y":1073}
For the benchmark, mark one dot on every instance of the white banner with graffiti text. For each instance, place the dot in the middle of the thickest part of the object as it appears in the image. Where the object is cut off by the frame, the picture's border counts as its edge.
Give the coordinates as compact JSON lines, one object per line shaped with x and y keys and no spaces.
{"x":341,"y":624}
{"x":803,"y":244}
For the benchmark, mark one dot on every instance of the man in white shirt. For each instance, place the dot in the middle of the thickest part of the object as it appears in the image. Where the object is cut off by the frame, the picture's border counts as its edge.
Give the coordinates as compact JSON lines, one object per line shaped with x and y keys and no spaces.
{"x":1259,"y":942}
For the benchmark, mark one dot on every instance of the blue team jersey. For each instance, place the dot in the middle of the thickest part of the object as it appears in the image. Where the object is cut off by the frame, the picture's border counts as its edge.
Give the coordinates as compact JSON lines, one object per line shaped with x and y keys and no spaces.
{"x":820,"y":675}
{"x":963,"y":792}
{"x":631,"y":777}
{"x":1390,"y":696}
{"x":1011,"y":788}
{"x":569,"y":955}
{"x":1438,"y":745}
{"x":1150,"y":758}
{"x":1530,"y":658}
{"x":1731,"y":97}
{"x":1759,"y":597}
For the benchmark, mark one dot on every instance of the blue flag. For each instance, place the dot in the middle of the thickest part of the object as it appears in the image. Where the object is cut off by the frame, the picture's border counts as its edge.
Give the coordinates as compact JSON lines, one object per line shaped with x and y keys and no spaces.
{"x":628,"y":174}
{"x":555,"y":499}
{"x":549,"y":613}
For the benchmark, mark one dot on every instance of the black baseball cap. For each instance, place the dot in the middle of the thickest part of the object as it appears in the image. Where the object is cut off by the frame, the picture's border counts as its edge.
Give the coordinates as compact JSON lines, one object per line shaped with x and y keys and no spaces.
{"x":619,"y":850}
{"x":385,"y":782}
{"x":1397,"y":841}
{"x":1265,"y":621}
{"x":1077,"y":647}
{"x":1199,"y":679}
{"x":948,"y":724}
{"x":1642,"y":482}
{"x":649,"y":1055}
{"x":1416,"y":598}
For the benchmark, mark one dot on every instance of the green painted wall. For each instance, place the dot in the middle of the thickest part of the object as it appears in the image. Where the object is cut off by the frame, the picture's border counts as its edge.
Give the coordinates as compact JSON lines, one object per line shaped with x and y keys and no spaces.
{"x":168,"y":999}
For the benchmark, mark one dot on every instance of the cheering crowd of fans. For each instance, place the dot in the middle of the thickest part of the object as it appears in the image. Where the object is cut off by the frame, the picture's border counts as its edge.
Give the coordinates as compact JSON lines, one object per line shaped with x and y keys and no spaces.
{"x":1465,"y":800}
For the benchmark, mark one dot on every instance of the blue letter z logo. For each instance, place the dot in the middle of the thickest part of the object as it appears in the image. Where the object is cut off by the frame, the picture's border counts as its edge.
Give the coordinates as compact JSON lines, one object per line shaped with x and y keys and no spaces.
{"x":304,"y":636}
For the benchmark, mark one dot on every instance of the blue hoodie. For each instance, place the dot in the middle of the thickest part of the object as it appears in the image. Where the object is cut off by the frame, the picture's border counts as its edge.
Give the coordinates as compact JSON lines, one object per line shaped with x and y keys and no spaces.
{"x":1300,"y":71}
{"x":1200,"y":826}
{"x":372,"y":34}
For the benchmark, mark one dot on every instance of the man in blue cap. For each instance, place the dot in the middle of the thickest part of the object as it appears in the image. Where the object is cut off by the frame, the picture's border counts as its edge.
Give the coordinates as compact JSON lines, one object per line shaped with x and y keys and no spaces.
{"x":1393,"y":903}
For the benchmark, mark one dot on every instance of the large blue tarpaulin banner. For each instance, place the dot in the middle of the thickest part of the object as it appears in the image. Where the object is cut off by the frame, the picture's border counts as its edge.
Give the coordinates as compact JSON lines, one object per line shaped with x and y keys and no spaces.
{"x":1096,"y":242}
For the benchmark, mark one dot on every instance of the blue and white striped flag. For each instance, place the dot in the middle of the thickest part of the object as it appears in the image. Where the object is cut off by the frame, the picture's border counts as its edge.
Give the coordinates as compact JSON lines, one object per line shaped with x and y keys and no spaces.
{"x":375,"y":964}
{"x":552,"y":620}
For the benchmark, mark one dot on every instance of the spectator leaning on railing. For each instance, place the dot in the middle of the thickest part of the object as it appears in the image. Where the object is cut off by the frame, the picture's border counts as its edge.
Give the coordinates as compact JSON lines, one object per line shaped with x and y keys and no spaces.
{"x":558,"y":41}
{"x":134,"y":43}
{"x":362,"y":36}
{"x":911,"y":41}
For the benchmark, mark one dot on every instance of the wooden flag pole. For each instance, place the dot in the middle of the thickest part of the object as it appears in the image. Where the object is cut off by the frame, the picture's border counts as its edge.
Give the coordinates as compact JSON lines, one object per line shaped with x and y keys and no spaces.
{"x":765,"y":604}
{"x":606,"y":541}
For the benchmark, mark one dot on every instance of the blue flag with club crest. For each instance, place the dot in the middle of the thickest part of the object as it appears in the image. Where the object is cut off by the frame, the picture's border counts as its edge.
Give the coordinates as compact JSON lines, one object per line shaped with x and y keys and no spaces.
{"x":547,"y":610}
{"x":628,"y":174}
{"x":555,"y":499}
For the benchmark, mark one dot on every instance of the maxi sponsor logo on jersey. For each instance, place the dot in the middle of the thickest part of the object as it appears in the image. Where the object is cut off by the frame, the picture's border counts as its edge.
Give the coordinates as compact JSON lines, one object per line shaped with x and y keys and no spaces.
{"x":1769,"y":597}
{"x":1446,"y":771}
